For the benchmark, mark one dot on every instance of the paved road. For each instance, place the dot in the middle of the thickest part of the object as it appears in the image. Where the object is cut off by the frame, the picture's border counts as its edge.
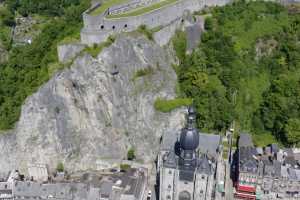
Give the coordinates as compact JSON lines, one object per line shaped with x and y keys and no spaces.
{"x":228,"y":184}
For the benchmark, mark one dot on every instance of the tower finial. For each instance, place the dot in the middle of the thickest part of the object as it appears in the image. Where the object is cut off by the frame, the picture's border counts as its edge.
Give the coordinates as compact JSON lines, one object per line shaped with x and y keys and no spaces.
{"x":191,"y":117}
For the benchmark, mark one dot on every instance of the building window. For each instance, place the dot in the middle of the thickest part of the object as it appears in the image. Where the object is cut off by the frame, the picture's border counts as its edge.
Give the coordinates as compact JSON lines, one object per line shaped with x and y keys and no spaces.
{"x":113,"y":27}
{"x":169,"y":186}
{"x":125,"y":26}
{"x":102,"y":27}
{"x":201,"y":191}
{"x":168,"y":197}
{"x":170,"y":172}
{"x":203,"y":177}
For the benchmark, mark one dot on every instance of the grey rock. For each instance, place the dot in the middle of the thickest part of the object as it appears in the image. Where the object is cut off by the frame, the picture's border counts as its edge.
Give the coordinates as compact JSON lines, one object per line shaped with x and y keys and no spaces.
{"x":95,"y":111}
{"x":67,"y":52}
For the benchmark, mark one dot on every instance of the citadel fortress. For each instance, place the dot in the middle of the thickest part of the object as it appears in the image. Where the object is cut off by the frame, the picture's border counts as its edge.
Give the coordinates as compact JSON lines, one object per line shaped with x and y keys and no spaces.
{"x":129,"y":16}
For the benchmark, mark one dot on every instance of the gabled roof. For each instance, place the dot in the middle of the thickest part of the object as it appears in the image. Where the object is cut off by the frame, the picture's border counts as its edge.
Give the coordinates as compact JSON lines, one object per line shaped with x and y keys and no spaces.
{"x":247,"y":162}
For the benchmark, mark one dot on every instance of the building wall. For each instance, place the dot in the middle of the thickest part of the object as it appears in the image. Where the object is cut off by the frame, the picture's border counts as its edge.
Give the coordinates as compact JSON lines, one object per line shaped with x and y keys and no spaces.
{"x":98,"y":28}
{"x":200,"y":185}
{"x":183,"y":186}
{"x":167,"y":183}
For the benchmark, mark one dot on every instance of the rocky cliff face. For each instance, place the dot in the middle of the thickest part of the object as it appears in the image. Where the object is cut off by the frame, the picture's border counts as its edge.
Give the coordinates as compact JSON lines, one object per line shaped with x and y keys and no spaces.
{"x":92,"y":113}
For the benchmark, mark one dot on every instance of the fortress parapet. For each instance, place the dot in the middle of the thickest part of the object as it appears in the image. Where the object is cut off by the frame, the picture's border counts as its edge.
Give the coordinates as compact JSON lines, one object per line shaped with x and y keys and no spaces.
{"x":97,"y":28}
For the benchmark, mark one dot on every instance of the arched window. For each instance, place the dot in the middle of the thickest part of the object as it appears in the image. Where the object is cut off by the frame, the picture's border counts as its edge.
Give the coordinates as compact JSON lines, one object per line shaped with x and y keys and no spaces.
{"x":113,"y":27}
{"x":102,"y":27}
{"x":125,"y":26}
{"x":184,"y":195}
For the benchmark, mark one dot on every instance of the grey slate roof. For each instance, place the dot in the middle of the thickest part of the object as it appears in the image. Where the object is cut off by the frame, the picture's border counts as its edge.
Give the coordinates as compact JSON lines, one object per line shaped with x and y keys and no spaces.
{"x":209,"y":143}
{"x":245,"y":140}
{"x":204,"y":166}
{"x":131,"y":184}
{"x":247,"y":163}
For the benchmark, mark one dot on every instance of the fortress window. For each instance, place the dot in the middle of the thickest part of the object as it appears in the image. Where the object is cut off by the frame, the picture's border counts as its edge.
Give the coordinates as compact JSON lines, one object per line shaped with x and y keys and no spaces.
{"x":125,"y":26}
{"x":170,"y":172}
{"x":182,"y":20}
{"x":168,"y":197}
{"x":102,"y":27}
{"x":113,"y":27}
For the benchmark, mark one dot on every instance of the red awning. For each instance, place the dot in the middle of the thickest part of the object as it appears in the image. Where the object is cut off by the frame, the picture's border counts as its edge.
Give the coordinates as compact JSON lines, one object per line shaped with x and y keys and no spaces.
{"x":246,"y":188}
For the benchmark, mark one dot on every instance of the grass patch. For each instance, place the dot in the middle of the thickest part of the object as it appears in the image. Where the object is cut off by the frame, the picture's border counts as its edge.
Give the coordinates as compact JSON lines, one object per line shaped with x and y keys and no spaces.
{"x":105,"y":6}
{"x":124,"y":167}
{"x":143,"y":10}
{"x":97,"y":48}
{"x":143,"y":72}
{"x":156,"y":29}
{"x":163,"y":105}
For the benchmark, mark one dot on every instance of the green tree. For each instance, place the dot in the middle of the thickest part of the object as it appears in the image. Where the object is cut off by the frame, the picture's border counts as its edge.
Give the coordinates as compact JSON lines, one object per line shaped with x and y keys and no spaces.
{"x":292,"y":131}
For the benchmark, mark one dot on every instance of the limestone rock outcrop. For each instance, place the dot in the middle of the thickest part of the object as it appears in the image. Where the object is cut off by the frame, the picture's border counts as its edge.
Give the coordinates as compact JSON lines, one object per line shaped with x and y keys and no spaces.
{"x":92,"y":113}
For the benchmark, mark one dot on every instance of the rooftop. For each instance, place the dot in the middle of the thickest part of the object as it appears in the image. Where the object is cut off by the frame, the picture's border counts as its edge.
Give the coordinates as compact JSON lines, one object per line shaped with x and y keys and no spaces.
{"x":245,"y":140}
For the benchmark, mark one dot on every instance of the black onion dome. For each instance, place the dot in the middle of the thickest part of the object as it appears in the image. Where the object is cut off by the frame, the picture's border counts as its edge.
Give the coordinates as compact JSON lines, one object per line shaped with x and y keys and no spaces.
{"x":189,"y":139}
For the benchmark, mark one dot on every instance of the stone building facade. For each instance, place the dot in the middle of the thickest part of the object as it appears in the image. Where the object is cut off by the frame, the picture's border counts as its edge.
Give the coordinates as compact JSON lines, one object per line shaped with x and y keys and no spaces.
{"x":187,"y":163}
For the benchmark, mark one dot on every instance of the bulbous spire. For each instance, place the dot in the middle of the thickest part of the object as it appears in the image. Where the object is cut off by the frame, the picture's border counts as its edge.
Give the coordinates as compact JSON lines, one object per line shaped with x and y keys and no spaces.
{"x":189,"y":137}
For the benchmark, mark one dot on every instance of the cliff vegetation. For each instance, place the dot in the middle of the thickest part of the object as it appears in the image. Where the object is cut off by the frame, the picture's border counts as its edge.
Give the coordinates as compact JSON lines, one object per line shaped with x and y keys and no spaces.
{"x":28,"y":64}
{"x":247,"y":70}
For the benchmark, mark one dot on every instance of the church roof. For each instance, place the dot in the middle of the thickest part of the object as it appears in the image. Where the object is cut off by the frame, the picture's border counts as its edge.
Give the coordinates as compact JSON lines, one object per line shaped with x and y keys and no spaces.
{"x":203,"y":165}
{"x":209,"y":144}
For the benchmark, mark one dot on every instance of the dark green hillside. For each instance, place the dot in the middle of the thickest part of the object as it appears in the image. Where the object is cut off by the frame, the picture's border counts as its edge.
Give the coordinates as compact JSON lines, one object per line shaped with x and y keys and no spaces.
{"x":247,"y":69}
{"x":29,"y":66}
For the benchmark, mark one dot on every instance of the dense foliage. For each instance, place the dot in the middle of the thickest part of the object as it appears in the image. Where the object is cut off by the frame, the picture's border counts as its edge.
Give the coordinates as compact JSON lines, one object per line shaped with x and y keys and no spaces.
{"x":31,"y":65}
{"x":247,"y":70}
{"x":42,"y":7}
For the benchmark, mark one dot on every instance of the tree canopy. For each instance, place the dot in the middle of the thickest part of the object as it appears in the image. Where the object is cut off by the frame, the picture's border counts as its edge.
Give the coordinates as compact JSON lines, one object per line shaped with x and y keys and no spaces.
{"x":247,"y":69}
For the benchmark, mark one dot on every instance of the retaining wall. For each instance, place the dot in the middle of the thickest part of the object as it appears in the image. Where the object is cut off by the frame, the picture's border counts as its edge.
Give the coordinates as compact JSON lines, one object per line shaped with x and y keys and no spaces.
{"x":98,"y":28}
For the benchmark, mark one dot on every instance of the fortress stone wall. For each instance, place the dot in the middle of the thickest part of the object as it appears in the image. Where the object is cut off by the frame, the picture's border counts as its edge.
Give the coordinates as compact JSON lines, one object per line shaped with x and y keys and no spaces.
{"x":97,"y":28}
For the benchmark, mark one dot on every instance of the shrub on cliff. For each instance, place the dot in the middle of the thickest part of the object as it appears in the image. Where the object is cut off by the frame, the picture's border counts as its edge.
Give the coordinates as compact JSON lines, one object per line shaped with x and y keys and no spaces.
{"x":147,"y":32}
{"x":169,"y":105}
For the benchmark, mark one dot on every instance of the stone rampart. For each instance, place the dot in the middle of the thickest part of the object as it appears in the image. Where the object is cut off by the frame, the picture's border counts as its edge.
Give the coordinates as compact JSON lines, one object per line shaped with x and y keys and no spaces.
{"x":98,"y":28}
